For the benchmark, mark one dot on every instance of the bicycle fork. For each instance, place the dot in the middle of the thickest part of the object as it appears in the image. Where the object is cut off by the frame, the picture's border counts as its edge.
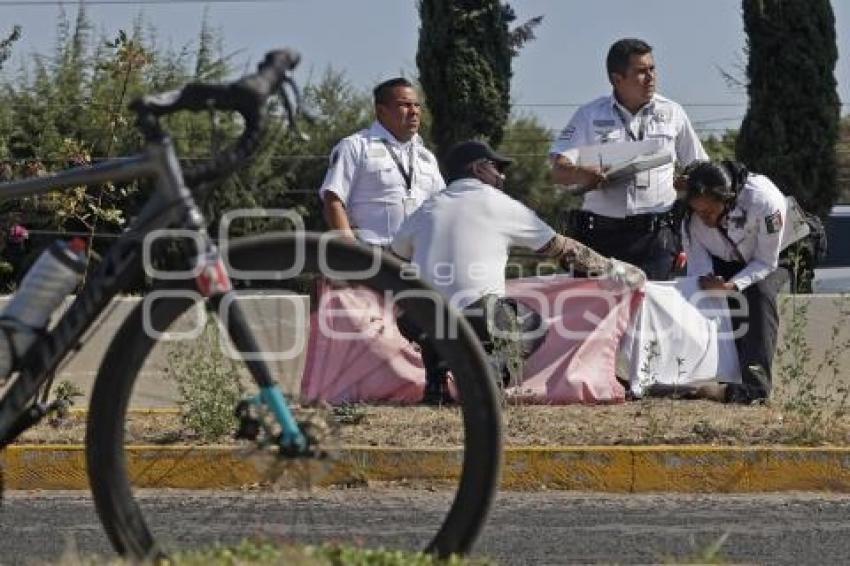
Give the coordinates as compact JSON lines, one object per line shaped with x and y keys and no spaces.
{"x":214,"y":283}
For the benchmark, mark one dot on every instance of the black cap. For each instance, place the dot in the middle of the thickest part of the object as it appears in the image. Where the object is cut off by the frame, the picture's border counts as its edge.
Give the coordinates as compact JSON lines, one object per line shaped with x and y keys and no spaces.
{"x":464,"y":153}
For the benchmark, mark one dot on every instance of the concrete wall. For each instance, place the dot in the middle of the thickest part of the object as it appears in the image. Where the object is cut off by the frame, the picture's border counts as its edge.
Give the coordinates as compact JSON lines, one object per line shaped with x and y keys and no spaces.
{"x":284,"y":320}
{"x":825,"y":314}
{"x":277,"y":319}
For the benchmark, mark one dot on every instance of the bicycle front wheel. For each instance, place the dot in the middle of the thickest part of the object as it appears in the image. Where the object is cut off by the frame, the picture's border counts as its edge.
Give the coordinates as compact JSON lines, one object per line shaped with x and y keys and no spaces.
{"x":341,"y":495}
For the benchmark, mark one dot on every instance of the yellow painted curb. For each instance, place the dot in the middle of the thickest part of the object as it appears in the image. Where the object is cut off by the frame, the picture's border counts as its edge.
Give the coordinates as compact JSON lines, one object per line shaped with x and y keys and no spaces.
{"x":219,"y":467}
{"x":638,"y":469}
{"x":627,"y":469}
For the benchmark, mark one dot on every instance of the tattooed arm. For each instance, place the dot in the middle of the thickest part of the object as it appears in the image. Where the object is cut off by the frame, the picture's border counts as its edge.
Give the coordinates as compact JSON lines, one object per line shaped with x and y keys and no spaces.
{"x":573,"y":254}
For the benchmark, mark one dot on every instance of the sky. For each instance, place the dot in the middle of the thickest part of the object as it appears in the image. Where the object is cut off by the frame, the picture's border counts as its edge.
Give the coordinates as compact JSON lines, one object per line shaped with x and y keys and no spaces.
{"x":375,"y":39}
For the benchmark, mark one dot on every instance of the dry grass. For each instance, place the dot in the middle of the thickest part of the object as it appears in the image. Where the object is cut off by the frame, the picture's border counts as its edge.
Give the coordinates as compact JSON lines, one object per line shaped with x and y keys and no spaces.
{"x":652,"y":421}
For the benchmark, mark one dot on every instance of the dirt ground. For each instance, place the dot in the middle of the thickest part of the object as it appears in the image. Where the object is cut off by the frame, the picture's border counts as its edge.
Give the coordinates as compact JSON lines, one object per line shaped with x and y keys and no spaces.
{"x":649,"y":421}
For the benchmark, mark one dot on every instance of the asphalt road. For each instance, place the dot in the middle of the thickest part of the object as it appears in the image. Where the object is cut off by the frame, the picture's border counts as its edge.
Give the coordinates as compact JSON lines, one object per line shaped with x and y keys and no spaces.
{"x":524,"y":528}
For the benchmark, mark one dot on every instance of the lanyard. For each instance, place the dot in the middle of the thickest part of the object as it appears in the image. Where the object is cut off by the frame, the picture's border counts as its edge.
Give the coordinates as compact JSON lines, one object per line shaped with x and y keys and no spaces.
{"x":629,"y":132}
{"x":738,"y":255}
{"x":406,"y":175}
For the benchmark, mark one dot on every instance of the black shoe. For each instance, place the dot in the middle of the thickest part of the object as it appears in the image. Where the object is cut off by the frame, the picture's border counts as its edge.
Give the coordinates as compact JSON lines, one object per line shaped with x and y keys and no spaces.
{"x":759,"y":384}
{"x":736,"y":394}
{"x":437,"y":393}
{"x":742,"y":395}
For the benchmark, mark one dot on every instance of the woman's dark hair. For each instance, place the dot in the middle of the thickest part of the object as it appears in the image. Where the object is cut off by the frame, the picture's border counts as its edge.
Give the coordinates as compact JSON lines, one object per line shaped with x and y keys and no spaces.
{"x":721,"y":181}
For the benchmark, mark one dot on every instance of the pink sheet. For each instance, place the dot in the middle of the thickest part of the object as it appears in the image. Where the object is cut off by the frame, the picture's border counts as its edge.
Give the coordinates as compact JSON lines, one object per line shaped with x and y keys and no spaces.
{"x":356,"y":353}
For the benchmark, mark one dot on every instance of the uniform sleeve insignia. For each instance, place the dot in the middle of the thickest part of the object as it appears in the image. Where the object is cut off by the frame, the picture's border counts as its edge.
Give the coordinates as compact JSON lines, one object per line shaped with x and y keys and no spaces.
{"x":424,"y":156}
{"x":773,"y":222}
{"x":567,"y":133}
{"x":334,"y":157}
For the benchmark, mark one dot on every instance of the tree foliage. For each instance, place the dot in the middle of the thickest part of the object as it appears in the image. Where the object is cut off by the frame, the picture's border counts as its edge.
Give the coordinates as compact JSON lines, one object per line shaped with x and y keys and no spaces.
{"x":791,"y":126}
{"x":464,"y":60}
{"x":69,"y":107}
{"x":843,"y":158}
{"x":6,"y":44}
{"x":528,"y":180}
{"x":721,"y":146}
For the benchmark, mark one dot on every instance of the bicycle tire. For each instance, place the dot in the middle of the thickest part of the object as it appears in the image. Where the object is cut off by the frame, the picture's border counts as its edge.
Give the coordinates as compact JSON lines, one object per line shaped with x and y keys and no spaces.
{"x":111,"y":485}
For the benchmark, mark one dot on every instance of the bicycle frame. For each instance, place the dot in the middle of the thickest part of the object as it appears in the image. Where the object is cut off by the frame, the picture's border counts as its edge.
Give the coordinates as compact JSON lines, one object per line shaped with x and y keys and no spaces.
{"x":171,"y":205}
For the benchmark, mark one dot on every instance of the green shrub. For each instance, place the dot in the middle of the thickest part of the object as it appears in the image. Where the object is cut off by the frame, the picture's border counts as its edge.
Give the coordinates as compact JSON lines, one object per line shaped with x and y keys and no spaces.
{"x":814,"y":409}
{"x":209,"y":384}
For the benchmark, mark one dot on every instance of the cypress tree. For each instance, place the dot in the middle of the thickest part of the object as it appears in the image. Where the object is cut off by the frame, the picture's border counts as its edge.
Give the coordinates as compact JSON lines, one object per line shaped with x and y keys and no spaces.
{"x":464,"y":61}
{"x":6,"y":44}
{"x":791,"y":126}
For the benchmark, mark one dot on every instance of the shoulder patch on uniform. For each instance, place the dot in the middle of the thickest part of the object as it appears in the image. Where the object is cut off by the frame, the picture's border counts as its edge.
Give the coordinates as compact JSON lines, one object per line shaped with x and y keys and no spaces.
{"x":424,"y":155}
{"x":567,"y":133}
{"x":661,"y":116}
{"x":773,"y":222}
{"x":334,"y":157}
{"x":604,"y":123}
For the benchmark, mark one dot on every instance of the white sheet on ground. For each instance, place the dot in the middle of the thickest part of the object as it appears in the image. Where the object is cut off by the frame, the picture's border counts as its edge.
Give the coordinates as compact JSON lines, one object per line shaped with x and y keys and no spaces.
{"x":667,"y":334}
{"x":680,"y":336}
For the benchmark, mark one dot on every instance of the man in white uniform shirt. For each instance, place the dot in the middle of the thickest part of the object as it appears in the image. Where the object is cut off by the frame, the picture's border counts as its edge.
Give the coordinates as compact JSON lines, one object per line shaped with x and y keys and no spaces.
{"x":630,"y":219}
{"x":733,"y":234}
{"x":459,"y":241}
{"x":378,"y":176}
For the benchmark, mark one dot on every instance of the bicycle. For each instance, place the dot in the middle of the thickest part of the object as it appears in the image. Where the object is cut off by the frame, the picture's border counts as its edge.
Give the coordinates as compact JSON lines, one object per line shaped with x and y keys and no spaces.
{"x":268,"y":424}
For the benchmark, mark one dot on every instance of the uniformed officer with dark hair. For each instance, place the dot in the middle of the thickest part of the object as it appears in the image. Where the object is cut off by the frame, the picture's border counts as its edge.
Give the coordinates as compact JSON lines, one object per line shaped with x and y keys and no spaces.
{"x":378,"y":176}
{"x":630,"y":219}
{"x":733,"y":233}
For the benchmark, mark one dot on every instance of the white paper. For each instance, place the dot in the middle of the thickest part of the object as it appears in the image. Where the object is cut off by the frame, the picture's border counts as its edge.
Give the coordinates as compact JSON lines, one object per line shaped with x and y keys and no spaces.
{"x":620,"y":159}
{"x":609,"y":154}
{"x":638,"y":164}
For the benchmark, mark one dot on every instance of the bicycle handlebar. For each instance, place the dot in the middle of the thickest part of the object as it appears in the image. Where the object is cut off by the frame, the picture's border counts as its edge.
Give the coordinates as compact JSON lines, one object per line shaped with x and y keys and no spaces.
{"x":247,"y":97}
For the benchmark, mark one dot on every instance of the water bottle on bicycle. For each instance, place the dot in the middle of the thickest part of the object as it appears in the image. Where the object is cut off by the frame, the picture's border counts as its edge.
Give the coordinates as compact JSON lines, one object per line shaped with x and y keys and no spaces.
{"x":53,"y":276}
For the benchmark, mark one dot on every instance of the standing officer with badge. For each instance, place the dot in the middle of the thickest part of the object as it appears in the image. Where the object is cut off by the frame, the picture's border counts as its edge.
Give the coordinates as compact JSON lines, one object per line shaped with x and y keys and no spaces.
{"x":377,"y":177}
{"x":733,"y":232}
{"x":630,"y":218}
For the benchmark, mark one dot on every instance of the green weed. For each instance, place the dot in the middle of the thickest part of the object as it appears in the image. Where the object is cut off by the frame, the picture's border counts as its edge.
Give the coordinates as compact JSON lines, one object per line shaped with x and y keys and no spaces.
{"x":813,"y":408}
{"x":209,"y":384}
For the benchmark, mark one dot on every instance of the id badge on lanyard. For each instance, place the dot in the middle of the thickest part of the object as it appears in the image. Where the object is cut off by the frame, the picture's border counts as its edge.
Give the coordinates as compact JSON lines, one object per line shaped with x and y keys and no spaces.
{"x":642,"y":178}
{"x":409,"y":204}
{"x":408,"y":201}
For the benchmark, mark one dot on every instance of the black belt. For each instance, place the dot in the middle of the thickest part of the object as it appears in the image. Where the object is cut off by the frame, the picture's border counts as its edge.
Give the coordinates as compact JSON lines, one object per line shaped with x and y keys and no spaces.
{"x":643,"y":222}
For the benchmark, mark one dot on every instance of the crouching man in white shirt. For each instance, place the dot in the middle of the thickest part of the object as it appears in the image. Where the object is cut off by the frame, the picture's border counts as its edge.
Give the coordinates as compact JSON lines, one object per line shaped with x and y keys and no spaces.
{"x":459,"y":241}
